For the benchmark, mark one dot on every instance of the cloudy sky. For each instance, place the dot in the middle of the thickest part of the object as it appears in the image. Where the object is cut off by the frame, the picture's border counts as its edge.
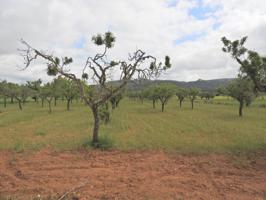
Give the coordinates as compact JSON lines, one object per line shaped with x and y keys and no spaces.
{"x":187,"y":30}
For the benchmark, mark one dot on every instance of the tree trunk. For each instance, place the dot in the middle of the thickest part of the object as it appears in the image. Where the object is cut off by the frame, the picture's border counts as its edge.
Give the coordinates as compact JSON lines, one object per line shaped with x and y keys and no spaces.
{"x":68,"y":104}
{"x":42,"y":102}
{"x":95,"y":138}
{"x":12,"y":100}
{"x":162,"y":107}
{"x":113,"y":105}
{"x":192,"y":104}
{"x":55,"y":101}
{"x":180,"y":103}
{"x":5,"y":102}
{"x":240,"y":112}
{"x":153,"y":104}
{"x":19,"y":104}
{"x":50,"y":109}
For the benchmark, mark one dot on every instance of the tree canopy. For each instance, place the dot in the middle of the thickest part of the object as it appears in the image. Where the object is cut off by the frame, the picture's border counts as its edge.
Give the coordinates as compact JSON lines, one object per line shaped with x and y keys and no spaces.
{"x":181,"y":94}
{"x":192,"y":95}
{"x":252,"y":64}
{"x":243,"y":91}
{"x":164,"y":92}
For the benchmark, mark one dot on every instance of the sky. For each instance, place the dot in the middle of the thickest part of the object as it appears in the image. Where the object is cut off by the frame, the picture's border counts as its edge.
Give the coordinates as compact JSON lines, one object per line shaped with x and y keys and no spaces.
{"x":189,"y":31}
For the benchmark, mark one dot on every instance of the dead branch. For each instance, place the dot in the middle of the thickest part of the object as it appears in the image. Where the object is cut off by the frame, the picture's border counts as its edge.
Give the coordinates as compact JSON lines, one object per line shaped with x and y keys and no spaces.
{"x":74,"y":189}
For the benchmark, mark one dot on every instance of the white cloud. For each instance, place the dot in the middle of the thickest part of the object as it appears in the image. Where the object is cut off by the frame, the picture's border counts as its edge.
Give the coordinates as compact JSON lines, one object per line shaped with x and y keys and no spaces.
{"x":153,"y":25}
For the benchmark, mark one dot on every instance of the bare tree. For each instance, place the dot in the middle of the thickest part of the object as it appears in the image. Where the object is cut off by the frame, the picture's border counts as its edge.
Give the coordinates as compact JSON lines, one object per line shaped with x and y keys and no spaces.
{"x":101,"y":68}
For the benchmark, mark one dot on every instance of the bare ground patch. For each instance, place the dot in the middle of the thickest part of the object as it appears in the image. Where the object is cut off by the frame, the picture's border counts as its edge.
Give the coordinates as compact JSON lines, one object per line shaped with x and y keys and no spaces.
{"x":131,"y":175}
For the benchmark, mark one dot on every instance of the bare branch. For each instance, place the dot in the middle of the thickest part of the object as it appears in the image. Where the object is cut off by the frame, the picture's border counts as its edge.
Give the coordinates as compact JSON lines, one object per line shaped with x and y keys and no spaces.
{"x":100,"y":67}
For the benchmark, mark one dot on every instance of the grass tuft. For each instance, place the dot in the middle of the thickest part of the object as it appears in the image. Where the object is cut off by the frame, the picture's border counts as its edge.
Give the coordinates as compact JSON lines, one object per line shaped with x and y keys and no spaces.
{"x":105,"y":143}
{"x":40,"y":132}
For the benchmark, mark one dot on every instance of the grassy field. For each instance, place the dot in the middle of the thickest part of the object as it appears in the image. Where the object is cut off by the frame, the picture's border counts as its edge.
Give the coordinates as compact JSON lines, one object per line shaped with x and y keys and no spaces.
{"x":212,"y":127}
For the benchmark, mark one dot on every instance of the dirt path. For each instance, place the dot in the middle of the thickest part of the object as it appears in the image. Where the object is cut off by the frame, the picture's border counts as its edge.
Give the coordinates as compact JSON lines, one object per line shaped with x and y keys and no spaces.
{"x":134,"y":175}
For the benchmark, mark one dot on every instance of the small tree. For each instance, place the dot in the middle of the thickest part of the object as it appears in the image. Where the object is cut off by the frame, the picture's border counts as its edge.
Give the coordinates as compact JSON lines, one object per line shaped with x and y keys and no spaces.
{"x":132,"y":95}
{"x":164,"y":93}
{"x":35,"y":86}
{"x":141,"y":95}
{"x":241,"y":90}
{"x":48,"y":94}
{"x":252,"y":65}
{"x":56,"y":87}
{"x":181,"y":94}
{"x":21,"y":93}
{"x":11,"y":91}
{"x":220,"y":91}
{"x":207,"y":95}
{"x":150,"y":94}
{"x":192,"y":95}
{"x":115,"y":100}
{"x":69,"y":90}
{"x":100,"y":67}
{"x":4,"y":91}
{"x":42,"y":95}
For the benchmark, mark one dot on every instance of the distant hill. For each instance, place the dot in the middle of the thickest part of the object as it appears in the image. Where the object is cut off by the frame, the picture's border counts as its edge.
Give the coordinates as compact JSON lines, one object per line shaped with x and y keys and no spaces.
{"x":202,"y":84}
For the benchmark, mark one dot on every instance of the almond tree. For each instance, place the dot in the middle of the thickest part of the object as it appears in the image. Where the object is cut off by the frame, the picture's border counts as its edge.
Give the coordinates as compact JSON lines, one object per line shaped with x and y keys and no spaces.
{"x":11,"y":91}
{"x":56,"y":88}
{"x":181,"y":94}
{"x":252,"y":64}
{"x":241,"y":90}
{"x":164,"y":92}
{"x":47,"y":94}
{"x":4,"y":91}
{"x":21,"y":93}
{"x":192,"y":95}
{"x":115,"y":100}
{"x":150,"y":93}
{"x":42,"y":95}
{"x":207,"y":95}
{"x":100,"y":68}
{"x":68,"y":89}
{"x":35,"y":87}
{"x":141,"y":95}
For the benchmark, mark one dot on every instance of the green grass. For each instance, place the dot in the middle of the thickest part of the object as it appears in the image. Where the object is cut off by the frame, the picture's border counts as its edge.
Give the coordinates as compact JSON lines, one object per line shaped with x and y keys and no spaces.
{"x":212,"y":127}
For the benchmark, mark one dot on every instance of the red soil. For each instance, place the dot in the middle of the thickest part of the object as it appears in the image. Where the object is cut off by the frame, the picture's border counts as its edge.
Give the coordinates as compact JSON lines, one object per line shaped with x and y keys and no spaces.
{"x":132,"y":175}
